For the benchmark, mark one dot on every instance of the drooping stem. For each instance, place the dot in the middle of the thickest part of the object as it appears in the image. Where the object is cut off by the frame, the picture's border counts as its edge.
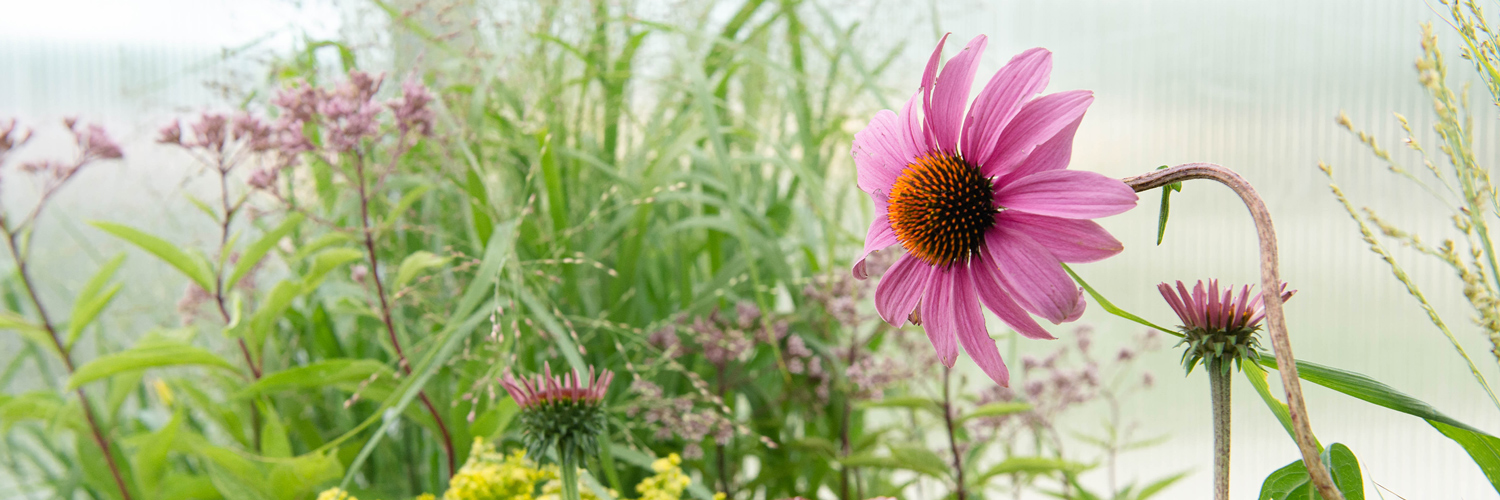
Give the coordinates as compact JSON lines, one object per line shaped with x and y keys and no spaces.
{"x":1275,"y":318}
{"x":1218,"y":390}
{"x":958,"y":461}
{"x":11,"y":239}
{"x":385,"y":306}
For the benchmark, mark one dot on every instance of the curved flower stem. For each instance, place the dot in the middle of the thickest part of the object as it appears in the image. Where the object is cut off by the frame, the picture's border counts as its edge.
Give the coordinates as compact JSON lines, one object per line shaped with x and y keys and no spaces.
{"x":1218,"y":390}
{"x":1275,"y":319}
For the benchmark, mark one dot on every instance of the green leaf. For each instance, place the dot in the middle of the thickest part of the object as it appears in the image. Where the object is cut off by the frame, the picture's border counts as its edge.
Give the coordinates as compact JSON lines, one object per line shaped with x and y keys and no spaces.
{"x":40,"y":406}
{"x":1030,"y":465}
{"x":316,"y":375}
{"x":143,"y":357}
{"x":258,"y":250}
{"x":150,"y":458}
{"x":1110,"y":307}
{"x":235,"y":477}
{"x":319,"y":244}
{"x":494,"y":421}
{"x":911,"y":402}
{"x":1257,"y":378}
{"x":413,"y":264}
{"x":30,"y":331}
{"x":1293,"y":483}
{"x":919,"y":459}
{"x":1482,"y":447}
{"x":994,"y":410}
{"x":1166,"y":193}
{"x":326,"y":261}
{"x":407,"y":200}
{"x":301,"y":477}
{"x":1161,"y":484}
{"x":273,"y":440}
{"x":91,"y":300}
{"x":195,"y":267}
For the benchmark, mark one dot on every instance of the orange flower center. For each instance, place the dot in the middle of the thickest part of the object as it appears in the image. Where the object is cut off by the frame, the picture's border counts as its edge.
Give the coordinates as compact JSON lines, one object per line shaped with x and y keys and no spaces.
{"x":940,"y":208}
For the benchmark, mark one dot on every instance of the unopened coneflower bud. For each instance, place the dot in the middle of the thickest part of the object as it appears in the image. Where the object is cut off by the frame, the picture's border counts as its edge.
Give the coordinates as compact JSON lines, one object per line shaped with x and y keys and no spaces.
{"x":563,"y":413}
{"x":1217,"y":327}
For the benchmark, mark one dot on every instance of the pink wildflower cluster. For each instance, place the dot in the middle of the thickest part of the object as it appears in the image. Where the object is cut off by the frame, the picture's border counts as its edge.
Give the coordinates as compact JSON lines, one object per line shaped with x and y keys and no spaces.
{"x":547,"y":389}
{"x":94,"y":144}
{"x":680,"y":417}
{"x":1065,"y":379}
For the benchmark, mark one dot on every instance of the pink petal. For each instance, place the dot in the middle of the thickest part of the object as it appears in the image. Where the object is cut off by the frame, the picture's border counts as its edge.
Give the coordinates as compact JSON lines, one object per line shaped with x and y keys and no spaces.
{"x":1077,"y":308}
{"x":901,"y":288}
{"x":993,"y":295}
{"x":928,"y":78}
{"x":938,"y":318}
{"x":1172,"y":300}
{"x":915,"y":138}
{"x":878,"y":153}
{"x":945,"y":112}
{"x":1032,"y":274}
{"x":1038,"y":122}
{"x":1070,"y":194}
{"x":878,"y":237}
{"x":1021,"y":79}
{"x":971,"y":331}
{"x":1070,"y":240}
{"x":1051,"y":155}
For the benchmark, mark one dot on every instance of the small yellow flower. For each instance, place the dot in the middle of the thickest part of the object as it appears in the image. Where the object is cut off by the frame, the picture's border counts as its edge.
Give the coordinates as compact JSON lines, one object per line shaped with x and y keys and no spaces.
{"x":426,"y":496}
{"x":669,"y":481}
{"x":335,"y":494}
{"x":163,"y":392}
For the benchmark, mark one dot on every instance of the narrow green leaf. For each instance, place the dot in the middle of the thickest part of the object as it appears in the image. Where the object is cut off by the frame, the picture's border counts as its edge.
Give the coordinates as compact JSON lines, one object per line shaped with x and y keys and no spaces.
{"x":1030,"y":465}
{"x":1483,"y":448}
{"x":919,"y":459}
{"x":1110,"y":307}
{"x":994,"y":410}
{"x":315,"y":375}
{"x":195,"y":267}
{"x":326,"y":261}
{"x":1367,"y":389}
{"x":273,"y":440}
{"x":150,"y":458}
{"x":1161,"y":484}
{"x":912,"y":402}
{"x":30,"y":331}
{"x":1257,"y":378}
{"x":320,"y":243}
{"x":84,"y":312}
{"x":413,"y":264}
{"x":143,"y":357}
{"x":258,"y":250}
{"x":407,"y":200}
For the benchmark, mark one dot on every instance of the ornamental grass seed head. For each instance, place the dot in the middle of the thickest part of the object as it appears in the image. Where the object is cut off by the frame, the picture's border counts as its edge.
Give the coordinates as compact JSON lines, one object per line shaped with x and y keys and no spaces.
{"x":983,"y":203}
{"x":566,"y":412}
{"x":1218,"y":327}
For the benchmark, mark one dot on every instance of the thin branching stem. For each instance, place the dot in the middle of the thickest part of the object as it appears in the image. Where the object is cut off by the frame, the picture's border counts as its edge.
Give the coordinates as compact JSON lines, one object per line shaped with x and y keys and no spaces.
{"x":385,"y":306}
{"x":1275,"y":318}
{"x":12,"y":241}
{"x":958,"y":460}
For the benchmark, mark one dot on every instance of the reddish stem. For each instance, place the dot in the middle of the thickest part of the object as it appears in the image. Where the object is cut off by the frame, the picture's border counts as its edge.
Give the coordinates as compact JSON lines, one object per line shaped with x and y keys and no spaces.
{"x":385,"y":307}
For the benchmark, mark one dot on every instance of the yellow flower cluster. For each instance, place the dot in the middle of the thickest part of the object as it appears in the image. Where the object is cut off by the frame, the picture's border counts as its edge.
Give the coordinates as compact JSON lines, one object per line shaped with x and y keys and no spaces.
{"x":669,"y":481}
{"x":491,"y":475}
{"x":335,"y":494}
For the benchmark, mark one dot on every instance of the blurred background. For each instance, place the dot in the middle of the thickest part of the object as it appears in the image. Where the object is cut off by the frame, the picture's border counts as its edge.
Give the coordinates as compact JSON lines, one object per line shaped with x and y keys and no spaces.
{"x":1254,"y":86}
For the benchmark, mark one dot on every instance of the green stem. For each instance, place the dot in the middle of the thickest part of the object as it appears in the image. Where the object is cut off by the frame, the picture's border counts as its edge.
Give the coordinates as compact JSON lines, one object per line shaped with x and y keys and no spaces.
{"x":569,"y":480}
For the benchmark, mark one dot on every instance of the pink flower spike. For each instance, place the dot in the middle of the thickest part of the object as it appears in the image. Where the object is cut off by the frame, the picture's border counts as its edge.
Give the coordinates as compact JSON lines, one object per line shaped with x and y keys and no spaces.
{"x":983,"y":203}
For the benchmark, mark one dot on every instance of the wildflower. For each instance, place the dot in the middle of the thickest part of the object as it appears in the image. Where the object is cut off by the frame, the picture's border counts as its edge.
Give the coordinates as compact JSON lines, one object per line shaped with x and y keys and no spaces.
{"x":563,"y":413}
{"x":489,"y":475}
{"x":983,"y":204}
{"x":1217,"y":328}
{"x":411,"y":109}
{"x":669,"y":481}
{"x":335,"y":494}
{"x":170,"y":133}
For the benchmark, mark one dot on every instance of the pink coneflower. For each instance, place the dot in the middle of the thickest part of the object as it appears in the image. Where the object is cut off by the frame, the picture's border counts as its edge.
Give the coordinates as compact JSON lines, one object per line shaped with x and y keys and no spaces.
{"x":546,"y":388}
{"x":983,"y":204}
{"x":563,"y":413}
{"x":1218,"y":327}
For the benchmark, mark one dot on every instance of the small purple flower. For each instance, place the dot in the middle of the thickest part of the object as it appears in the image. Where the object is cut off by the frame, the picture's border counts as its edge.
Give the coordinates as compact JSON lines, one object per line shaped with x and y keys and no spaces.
{"x":411,"y":110}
